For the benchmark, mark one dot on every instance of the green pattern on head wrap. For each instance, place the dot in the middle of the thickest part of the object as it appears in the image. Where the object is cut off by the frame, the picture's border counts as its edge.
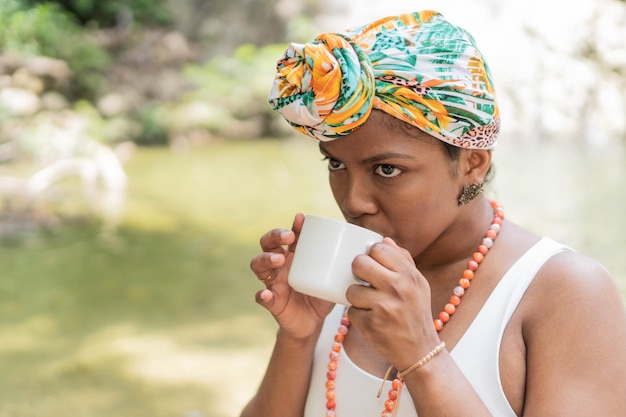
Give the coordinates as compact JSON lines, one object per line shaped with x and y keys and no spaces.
{"x":416,"y":67}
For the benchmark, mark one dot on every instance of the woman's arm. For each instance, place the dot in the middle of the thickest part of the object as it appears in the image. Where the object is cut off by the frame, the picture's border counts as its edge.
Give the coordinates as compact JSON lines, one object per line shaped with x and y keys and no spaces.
{"x":573,"y":328}
{"x":404,"y":335}
{"x":285,"y":386}
{"x":576,"y":341}
{"x":300,"y":318}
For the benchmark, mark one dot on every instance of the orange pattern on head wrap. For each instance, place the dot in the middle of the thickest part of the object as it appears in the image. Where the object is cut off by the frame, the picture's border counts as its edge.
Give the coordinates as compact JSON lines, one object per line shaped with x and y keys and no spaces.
{"x":416,"y":67}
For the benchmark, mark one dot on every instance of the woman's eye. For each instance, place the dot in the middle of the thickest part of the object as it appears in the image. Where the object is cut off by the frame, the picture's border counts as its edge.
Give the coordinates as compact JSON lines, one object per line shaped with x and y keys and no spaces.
{"x":388,"y":171}
{"x":333,"y":164}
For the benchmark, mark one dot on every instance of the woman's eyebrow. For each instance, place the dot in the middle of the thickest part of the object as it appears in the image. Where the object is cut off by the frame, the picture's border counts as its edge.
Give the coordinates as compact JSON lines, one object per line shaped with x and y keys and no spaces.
{"x":375,"y":158}
{"x":387,"y":156}
{"x":322,"y":150}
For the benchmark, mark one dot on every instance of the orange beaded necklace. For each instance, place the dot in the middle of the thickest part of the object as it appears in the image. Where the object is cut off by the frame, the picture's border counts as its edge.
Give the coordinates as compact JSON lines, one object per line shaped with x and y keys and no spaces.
{"x":443,"y":317}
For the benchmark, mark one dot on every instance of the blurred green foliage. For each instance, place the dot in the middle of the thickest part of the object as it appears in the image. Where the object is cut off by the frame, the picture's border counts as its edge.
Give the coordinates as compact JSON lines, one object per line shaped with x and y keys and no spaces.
{"x":47,"y":29}
{"x":225,"y":96}
{"x":114,"y":12}
{"x":236,"y":88}
{"x":153,"y":132}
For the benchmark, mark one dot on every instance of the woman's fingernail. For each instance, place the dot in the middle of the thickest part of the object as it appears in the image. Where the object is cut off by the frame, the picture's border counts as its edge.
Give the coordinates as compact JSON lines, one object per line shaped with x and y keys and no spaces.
{"x":390,"y":240}
{"x":266,"y":295}
{"x":275,"y":258}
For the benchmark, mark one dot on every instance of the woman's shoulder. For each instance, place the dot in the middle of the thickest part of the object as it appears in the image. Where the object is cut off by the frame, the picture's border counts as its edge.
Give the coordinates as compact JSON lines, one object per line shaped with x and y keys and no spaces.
{"x":572,"y":322}
{"x":577,"y":276}
{"x":573,"y":286}
{"x":567,"y":280}
{"x":569,"y":269}
{"x":571,"y":266}
{"x":565,"y":268}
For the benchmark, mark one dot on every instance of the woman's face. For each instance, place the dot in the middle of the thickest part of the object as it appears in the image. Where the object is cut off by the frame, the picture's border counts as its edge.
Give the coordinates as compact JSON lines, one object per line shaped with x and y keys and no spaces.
{"x":398,"y":182}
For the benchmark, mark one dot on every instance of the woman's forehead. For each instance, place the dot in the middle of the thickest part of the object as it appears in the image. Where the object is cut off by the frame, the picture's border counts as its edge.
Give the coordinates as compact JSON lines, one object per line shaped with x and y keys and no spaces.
{"x":381,"y":137}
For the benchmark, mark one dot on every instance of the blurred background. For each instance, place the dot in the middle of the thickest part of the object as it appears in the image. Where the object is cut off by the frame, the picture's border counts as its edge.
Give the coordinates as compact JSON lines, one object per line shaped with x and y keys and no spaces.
{"x":140,"y":163}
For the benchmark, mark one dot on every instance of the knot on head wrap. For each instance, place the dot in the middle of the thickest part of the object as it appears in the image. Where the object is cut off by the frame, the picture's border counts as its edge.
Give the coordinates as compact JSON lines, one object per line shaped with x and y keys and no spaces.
{"x":324,"y":89}
{"x":416,"y":67}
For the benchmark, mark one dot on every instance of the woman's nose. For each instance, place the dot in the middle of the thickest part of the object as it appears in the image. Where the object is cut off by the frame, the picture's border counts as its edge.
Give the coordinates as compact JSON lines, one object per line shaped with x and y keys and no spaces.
{"x":358,"y":198}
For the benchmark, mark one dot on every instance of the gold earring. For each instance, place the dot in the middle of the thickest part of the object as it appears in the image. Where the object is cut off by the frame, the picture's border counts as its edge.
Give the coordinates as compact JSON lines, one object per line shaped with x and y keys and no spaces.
{"x":469,"y":192}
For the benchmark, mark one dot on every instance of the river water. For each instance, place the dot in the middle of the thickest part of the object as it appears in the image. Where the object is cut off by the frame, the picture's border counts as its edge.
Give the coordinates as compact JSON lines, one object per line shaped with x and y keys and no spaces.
{"x":573,"y":193}
{"x":155,"y":323}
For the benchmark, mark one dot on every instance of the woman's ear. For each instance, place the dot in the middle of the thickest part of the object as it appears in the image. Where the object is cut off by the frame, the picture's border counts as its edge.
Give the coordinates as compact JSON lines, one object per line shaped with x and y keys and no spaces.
{"x":474,"y":165}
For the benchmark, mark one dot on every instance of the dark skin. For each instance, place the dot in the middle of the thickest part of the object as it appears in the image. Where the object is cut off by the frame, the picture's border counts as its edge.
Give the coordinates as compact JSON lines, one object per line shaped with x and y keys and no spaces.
{"x":402,"y":183}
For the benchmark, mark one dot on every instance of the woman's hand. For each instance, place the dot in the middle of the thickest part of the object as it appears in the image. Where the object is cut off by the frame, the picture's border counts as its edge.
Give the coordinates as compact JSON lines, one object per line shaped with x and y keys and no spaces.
{"x":297,"y":314}
{"x":394,"y":312}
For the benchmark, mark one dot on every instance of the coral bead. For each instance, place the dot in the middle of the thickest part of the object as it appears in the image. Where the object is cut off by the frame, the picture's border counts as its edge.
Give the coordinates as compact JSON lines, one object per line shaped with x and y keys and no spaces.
{"x":468,"y":274}
{"x":464,"y":282}
{"x":478,"y":257}
{"x":449,"y":308}
{"x":472,"y":265}
{"x":390,"y":405}
{"x":444,"y":317}
{"x":455,"y":300}
{"x":393,"y":394}
{"x":330,"y":394}
{"x":438,"y":324}
{"x":396,"y":384}
{"x":330,"y":405}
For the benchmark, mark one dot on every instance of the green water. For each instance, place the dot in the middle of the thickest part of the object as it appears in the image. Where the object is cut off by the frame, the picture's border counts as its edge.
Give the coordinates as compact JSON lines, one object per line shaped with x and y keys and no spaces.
{"x":161,"y":321}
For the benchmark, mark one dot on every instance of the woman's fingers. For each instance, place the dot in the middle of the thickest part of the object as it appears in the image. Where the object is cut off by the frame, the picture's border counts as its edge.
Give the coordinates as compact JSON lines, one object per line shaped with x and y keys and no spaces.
{"x":265,"y":265}
{"x":405,"y":254}
{"x":264,"y":297}
{"x":296,"y":228}
{"x":382,"y":260}
{"x":388,"y":269}
{"x":276,"y":239}
{"x":276,"y":245}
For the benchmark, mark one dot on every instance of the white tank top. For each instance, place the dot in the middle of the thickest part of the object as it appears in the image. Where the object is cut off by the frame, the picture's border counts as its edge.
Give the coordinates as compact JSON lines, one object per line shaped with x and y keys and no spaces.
{"x":477,"y":353}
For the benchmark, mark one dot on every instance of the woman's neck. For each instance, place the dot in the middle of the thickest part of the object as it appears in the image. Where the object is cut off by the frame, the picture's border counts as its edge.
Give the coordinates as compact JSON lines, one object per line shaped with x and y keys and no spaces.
{"x":457,"y":243}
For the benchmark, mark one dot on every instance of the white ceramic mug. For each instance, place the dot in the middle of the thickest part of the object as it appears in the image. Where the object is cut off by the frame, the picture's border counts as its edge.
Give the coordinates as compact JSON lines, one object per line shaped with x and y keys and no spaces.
{"x":322,"y":263}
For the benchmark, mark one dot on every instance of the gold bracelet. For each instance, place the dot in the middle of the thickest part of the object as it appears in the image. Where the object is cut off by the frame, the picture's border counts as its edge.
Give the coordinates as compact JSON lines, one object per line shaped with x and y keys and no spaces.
{"x":423,"y":361}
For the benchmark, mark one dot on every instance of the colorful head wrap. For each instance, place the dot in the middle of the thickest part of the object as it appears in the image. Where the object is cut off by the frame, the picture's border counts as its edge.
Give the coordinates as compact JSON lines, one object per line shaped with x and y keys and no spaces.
{"x":416,"y":67}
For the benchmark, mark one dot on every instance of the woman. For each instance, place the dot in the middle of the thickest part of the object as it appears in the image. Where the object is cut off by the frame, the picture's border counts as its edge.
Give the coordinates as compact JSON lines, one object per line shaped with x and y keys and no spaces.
{"x":467,"y":314}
